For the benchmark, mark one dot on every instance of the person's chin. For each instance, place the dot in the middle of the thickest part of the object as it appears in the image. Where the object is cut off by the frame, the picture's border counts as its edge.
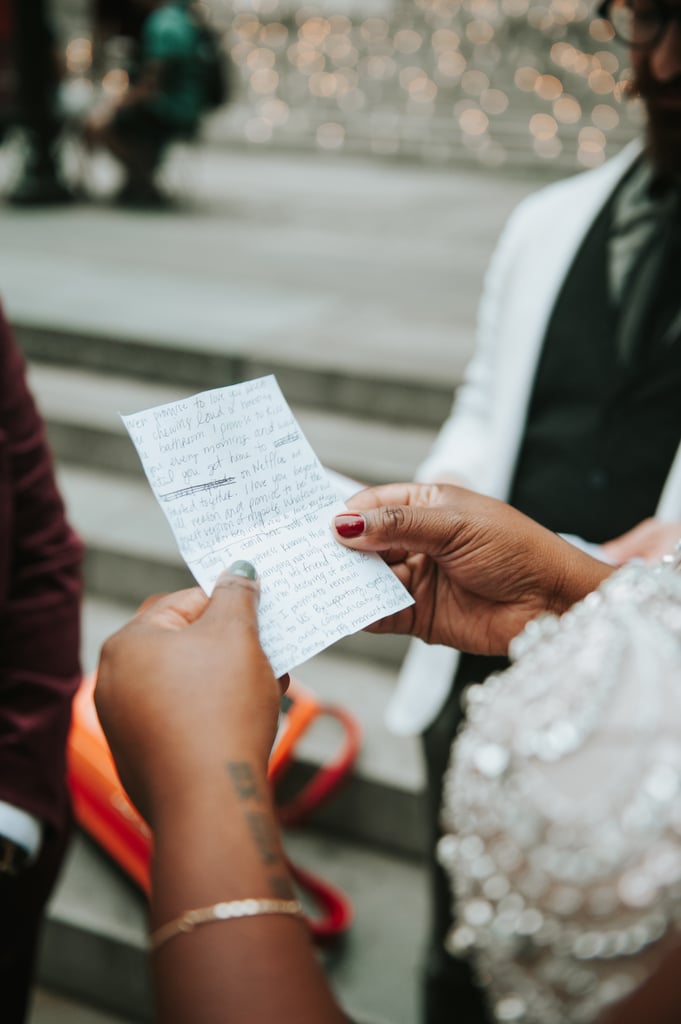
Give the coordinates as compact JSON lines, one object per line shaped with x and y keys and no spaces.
{"x":664,"y":133}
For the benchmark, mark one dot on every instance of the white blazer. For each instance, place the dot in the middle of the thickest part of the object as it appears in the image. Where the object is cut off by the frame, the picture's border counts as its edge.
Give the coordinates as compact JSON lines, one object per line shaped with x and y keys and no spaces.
{"x":480,"y":440}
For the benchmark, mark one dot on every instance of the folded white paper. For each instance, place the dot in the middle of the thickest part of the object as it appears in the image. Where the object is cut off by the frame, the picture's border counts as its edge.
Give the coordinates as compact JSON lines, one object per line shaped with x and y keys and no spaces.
{"x":237,"y":479}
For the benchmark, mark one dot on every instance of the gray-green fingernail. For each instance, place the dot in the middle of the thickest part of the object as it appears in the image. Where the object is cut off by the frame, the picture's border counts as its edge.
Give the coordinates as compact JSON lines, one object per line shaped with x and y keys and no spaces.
{"x":242,"y":568}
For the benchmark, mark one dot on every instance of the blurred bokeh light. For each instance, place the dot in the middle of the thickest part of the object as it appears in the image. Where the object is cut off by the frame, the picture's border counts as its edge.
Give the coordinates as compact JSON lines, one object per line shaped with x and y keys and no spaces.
{"x":497,"y":81}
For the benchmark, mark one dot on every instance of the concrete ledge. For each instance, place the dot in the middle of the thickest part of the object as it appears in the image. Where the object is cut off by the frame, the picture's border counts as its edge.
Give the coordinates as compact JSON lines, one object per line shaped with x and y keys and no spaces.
{"x":397,"y":400}
{"x":50,"y":1007}
{"x":82,"y":409}
{"x":94,"y":941}
{"x":382,"y":817}
{"x":96,"y":969}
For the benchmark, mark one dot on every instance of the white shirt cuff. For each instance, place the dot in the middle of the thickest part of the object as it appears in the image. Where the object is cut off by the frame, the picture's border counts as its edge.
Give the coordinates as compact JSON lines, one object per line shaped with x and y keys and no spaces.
{"x":22,"y":828}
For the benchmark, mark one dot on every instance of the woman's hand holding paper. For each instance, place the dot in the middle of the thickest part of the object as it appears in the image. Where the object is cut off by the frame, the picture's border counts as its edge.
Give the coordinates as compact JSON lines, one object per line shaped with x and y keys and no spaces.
{"x":477,"y":569}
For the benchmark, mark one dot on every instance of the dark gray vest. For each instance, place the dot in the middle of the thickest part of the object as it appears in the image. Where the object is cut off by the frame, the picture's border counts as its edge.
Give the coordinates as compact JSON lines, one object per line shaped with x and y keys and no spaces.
{"x":600,"y":437}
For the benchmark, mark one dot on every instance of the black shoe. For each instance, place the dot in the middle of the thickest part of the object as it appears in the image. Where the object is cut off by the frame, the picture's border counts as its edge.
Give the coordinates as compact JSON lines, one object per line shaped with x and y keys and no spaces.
{"x":40,"y":189}
{"x":142,"y":196}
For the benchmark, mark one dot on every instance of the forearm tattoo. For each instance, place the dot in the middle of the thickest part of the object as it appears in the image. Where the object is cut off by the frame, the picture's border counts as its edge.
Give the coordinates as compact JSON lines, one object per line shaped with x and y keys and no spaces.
{"x":244,"y":781}
{"x":249,"y":790}
{"x":264,"y":838}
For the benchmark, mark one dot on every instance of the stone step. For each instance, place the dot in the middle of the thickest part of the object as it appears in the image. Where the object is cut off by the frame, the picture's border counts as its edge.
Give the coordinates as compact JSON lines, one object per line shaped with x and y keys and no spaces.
{"x":436,"y":140}
{"x":381,"y":802}
{"x":82,"y":410}
{"x":355,"y":282}
{"x":390,"y":394}
{"x":51,"y":1008}
{"x":93,"y":947}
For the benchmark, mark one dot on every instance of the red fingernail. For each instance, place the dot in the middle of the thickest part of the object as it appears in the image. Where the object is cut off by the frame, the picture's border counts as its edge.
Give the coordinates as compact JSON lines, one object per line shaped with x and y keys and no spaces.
{"x":349,"y":524}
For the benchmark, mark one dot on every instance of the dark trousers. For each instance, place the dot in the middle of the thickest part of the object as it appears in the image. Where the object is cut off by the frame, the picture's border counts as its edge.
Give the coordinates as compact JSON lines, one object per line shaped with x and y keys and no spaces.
{"x":22,"y":900}
{"x":36,"y":66}
{"x":450,"y":992}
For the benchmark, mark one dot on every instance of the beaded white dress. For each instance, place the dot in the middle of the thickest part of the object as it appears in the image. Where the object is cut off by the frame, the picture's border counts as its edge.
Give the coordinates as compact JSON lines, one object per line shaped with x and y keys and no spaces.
{"x":562,"y":806}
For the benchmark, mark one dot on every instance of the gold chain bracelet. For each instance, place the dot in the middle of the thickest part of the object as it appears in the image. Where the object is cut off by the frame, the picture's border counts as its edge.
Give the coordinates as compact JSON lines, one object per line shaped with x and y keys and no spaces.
{"x":191,"y":919}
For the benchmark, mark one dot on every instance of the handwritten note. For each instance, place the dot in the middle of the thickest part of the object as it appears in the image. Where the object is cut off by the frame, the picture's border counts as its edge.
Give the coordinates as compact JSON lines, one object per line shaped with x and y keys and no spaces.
{"x":237,"y":478}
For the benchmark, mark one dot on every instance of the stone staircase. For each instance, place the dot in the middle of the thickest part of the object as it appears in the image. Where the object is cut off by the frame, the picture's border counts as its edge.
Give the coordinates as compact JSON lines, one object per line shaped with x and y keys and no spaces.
{"x":356,"y":284}
{"x":130,"y":553}
{"x":94,"y":943}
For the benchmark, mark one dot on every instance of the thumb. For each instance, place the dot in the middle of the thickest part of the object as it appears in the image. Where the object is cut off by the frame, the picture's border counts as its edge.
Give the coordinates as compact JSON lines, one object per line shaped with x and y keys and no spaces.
{"x":394,"y":528}
{"x":234,"y":601}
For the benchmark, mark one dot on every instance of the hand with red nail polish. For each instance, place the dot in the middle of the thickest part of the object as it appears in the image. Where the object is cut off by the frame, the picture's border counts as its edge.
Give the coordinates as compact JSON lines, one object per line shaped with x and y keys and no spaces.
{"x":478,"y":570}
{"x":349,"y":524}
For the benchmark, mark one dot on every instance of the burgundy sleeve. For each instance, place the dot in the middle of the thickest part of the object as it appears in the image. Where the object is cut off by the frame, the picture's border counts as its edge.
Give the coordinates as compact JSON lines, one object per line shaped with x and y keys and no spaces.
{"x":40,"y":595}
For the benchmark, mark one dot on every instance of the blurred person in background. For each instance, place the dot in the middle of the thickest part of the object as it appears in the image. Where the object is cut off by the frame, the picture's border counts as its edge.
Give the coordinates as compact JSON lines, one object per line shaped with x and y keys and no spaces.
{"x":7,"y":73}
{"x":569,"y":408}
{"x":36,"y":75}
{"x":164,"y":102}
{"x":40,"y":592}
{"x":119,"y":18}
{"x":117,"y":31}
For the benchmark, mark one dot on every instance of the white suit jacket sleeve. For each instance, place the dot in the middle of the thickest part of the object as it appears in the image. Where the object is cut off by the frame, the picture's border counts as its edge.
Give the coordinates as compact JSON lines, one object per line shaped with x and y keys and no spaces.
{"x":462,"y":446}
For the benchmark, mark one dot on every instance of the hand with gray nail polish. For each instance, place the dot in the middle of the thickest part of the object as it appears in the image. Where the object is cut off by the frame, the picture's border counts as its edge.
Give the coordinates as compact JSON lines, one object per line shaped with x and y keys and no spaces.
{"x":185,"y":683}
{"x":242,"y":568}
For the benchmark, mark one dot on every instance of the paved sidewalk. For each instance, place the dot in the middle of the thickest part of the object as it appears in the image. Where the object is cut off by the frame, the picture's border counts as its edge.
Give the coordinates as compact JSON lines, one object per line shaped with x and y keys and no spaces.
{"x":330,"y":261}
{"x":49,"y":1008}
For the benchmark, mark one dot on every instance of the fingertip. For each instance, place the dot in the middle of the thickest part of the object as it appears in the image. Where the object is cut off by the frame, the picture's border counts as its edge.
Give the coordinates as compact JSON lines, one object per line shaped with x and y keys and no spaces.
{"x":241,"y":568}
{"x":240,"y":576}
{"x":240,"y":572}
{"x":349,"y":525}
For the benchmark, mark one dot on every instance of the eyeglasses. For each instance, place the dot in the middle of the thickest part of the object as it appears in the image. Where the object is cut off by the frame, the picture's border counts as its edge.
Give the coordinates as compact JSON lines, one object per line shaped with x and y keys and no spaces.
{"x":641,"y":23}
